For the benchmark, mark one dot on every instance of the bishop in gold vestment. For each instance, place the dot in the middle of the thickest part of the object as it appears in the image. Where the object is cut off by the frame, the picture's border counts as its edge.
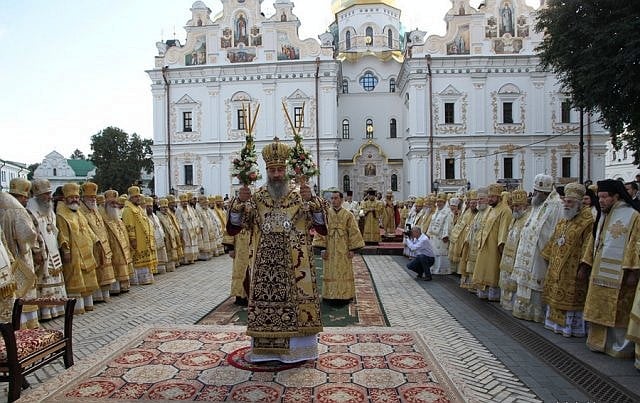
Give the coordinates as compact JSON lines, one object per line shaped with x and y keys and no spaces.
{"x":119,"y":243}
{"x":339,"y":245}
{"x":141,"y":237}
{"x":284,"y":306}
{"x":373,"y":210}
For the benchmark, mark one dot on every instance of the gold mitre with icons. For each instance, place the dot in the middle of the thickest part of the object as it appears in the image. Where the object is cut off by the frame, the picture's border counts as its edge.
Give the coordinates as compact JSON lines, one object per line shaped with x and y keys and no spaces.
{"x":276,"y":153}
{"x":519,"y":197}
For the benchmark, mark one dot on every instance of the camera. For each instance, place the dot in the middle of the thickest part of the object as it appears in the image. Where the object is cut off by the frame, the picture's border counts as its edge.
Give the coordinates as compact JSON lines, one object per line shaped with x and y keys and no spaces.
{"x":407,"y":230}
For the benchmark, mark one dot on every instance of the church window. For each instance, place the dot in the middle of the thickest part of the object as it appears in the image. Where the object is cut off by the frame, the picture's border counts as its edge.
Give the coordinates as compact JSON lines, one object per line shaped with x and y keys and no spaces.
{"x":298,"y":116}
{"x":369,"y":36}
{"x":188,"y":174}
{"x":345,"y":86}
{"x":369,"y":129}
{"x":345,"y":129}
{"x":368,"y":81}
{"x":390,"y":38}
{"x":347,"y":40}
{"x":346,"y":183}
{"x":393,"y":130}
{"x":449,"y":113}
{"x":566,"y":167}
{"x":507,"y":112}
{"x":394,"y":182}
{"x":55,"y":173}
{"x":507,"y":167}
{"x":187,"y":122}
{"x":565,"y":112}
{"x":392,"y":85}
{"x":449,"y":168}
{"x":241,"y":121}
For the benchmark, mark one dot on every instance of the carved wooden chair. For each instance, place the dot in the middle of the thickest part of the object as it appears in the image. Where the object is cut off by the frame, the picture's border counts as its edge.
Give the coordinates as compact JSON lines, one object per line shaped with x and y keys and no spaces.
{"x":23,"y":351}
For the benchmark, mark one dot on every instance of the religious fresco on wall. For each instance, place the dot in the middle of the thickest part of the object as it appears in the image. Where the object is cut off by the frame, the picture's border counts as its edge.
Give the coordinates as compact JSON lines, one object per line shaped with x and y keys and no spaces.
{"x":460,"y":44}
{"x":241,"y":55}
{"x":523,"y":27}
{"x":256,"y":36}
{"x":507,"y":45}
{"x":491,"y":29}
{"x":198,"y":55}
{"x":507,"y":19}
{"x":286,"y":51}
{"x":225,"y":41}
{"x":240,"y":31}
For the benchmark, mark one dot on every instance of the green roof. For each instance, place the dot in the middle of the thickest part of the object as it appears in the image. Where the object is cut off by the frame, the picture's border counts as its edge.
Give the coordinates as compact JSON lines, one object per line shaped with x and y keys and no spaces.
{"x":81,"y":167}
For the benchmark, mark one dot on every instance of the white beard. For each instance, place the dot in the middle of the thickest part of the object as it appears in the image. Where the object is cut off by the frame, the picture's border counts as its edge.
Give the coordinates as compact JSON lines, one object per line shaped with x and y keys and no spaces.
{"x":568,"y":214}
{"x":482,"y":206}
{"x":517,"y":214}
{"x":112,"y":212}
{"x":44,"y":207}
{"x":91,"y":205}
{"x":73,"y":206}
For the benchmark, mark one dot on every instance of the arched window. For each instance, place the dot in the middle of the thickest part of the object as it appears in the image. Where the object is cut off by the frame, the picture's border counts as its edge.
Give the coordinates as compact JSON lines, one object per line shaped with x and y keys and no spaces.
{"x":55,"y":172}
{"x":394,"y":182}
{"x":392,"y":85}
{"x":393,"y":132}
{"x":345,"y":129}
{"x":369,"y":129}
{"x":368,"y":81}
{"x":390,"y":38}
{"x":346,"y":183}
{"x":369,"y":34}
{"x":347,"y":40}
{"x":345,"y":86}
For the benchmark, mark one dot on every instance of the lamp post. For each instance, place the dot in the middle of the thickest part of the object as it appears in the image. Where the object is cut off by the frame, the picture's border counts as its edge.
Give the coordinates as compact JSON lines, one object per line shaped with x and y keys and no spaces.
{"x":433,"y":184}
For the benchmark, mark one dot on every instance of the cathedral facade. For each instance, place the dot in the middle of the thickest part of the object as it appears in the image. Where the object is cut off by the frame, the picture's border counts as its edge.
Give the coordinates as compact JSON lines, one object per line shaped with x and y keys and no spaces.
{"x":377,"y":107}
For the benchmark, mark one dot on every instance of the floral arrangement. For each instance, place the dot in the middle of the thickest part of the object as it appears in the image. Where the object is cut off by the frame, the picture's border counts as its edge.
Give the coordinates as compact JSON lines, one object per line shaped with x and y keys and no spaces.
{"x":300,"y":162}
{"x":245,"y":168}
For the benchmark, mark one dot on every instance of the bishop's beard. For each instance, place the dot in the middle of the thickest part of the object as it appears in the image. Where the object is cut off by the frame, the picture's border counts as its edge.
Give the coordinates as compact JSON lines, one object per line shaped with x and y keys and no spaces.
{"x":112,"y":212}
{"x":277,"y":189}
{"x":569,"y":213}
{"x":44,"y":206}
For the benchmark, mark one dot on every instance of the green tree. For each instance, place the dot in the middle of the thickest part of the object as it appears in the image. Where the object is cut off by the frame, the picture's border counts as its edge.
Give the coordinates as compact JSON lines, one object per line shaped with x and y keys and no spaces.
{"x":119,"y":158}
{"x":593,"y":47}
{"x":32,"y":168}
{"x":78,"y":155}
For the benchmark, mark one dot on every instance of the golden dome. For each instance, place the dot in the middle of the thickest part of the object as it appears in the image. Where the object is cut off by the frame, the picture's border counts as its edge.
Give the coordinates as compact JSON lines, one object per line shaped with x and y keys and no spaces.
{"x":339,"y":5}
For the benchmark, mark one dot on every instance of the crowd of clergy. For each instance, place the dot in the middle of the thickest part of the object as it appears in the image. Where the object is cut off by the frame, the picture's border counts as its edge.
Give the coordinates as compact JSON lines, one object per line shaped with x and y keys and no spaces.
{"x":89,"y":245}
{"x":566,"y":256}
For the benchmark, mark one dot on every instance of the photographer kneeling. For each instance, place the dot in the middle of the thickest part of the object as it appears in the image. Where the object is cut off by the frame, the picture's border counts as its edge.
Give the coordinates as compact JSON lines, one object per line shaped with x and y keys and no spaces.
{"x":420,"y":252}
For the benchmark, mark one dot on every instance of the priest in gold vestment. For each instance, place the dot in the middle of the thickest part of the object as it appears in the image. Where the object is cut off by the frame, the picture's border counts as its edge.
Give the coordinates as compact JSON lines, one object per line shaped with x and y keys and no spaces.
{"x":338,"y":248}
{"x":141,"y":237}
{"x":470,"y":249}
{"x":76,"y":240}
{"x":613,"y":258}
{"x":459,"y":231}
{"x":119,"y":242}
{"x":284,"y":306}
{"x":373,"y":210}
{"x":564,"y":290}
{"x":171,"y":234}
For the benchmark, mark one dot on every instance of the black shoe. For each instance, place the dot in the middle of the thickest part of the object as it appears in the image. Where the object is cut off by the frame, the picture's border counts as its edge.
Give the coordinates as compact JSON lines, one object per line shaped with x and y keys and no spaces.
{"x":427,"y":278}
{"x":241,"y":301}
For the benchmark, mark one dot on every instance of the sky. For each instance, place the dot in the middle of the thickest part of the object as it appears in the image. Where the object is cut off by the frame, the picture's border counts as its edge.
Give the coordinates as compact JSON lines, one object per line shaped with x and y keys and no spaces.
{"x":74,"y":67}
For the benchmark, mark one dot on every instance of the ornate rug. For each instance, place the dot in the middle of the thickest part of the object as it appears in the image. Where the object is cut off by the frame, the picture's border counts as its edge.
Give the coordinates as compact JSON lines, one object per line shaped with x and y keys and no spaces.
{"x":366,"y":310}
{"x":192,"y":363}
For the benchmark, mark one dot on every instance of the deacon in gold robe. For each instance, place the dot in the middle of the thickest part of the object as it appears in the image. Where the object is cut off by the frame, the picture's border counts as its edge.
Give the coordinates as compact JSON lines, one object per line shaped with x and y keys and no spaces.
{"x":343,"y":239}
{"x":520,"y":213}
{"x":141,"y":237}
{"x":102,"y":253}
{"x":24,"y":244}
{"x":613,"y":259}
{"x":77,"y":242}
{"x":564,"y":293}
{"x":373,"y":210}
{"x":50,"y":283}
{"x":119,"y":243}
{"x":284,"y":306}
{"x":493,"y":235}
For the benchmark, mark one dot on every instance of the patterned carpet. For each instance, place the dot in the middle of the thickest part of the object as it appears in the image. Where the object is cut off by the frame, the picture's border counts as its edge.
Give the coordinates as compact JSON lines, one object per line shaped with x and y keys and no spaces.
{"x":366,"y":310}
{"x":192,"y":363}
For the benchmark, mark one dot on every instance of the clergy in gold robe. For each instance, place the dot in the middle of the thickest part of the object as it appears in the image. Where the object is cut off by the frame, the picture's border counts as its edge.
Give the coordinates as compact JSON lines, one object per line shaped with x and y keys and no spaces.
{"x":141,"y":237}
{"x":189,"y":227}
{"x":119,"y":243}
{"x":171,"y":235}
{"x":373,"y":210}
{"x":241,"y":249}
{"x":217,"y":226}
{"x":171,"y":213}
{"x":493,"y":235}
{"x":565,"y":293}
{"x":520,"y":213}
{"x":159,"y":236}
{"x":390,"y":215}
{"x":438,"y":232}
{"x":613,"y":258}
{"x":207,"y":246}
{"x":283,"y":317}
{"x":24,"y":244}
{"x":343,"y":239}
{"x":102,"y":254}
{"x":77,"y":242}
{"x":460,"y":230}
{"x":470,"y":248}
